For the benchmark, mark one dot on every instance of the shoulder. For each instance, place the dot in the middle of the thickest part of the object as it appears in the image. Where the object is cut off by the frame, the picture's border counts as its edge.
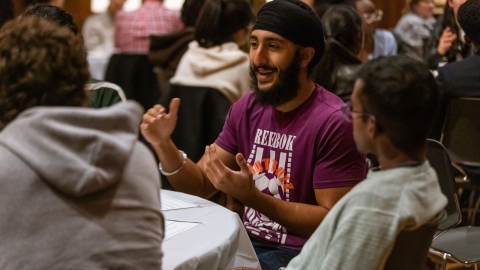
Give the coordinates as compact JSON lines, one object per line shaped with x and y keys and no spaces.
{"x":327,"y":105}
{"x":460,"y":67}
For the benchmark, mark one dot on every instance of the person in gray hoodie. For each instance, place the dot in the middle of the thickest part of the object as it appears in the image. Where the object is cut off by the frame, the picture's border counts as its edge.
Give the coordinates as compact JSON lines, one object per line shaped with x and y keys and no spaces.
{"x":78,"y":190}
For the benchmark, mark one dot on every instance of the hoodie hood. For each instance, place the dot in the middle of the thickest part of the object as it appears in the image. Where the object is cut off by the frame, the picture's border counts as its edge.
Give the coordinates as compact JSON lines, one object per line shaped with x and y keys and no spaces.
{"x":78,"y":151}
{"x":205,"y":62}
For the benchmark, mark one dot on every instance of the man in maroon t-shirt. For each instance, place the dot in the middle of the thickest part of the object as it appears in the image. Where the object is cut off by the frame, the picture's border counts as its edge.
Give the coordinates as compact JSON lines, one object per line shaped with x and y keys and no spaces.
{"x":285,"y":151}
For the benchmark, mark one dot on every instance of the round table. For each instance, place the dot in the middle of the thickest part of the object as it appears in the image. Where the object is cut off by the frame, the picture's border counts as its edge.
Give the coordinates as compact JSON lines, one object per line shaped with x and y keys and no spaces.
{"x":220,"y":242}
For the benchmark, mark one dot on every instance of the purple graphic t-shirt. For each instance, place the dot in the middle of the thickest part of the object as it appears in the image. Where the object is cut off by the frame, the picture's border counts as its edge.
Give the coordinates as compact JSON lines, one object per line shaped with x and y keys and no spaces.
{"x":291,"y":154}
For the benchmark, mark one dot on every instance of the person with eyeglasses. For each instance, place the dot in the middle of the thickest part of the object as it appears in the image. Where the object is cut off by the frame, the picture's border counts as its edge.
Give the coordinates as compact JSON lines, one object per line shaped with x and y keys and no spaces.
{"x":377,"y":42}
{"x":415,"y":27}
{"x":391,"y":110}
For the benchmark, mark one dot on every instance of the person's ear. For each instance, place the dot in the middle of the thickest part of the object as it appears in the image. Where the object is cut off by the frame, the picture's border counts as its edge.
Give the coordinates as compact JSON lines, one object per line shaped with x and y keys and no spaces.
{"x":306,"y":56}
{"x":372,"y":127}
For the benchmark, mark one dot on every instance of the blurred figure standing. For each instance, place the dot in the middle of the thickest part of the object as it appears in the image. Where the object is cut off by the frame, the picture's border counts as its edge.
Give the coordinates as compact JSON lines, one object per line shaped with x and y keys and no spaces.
{"x":132,"y":29}
{"x":98,"y":30}
{"x":414,"y":28}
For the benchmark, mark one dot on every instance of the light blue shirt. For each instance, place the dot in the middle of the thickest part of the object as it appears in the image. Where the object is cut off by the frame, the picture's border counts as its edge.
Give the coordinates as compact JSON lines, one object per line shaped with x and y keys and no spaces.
{"x":384,"y":44}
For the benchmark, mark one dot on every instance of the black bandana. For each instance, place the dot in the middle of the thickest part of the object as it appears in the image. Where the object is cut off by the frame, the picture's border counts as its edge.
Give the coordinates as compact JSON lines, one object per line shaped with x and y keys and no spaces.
{"x":295,"y":21}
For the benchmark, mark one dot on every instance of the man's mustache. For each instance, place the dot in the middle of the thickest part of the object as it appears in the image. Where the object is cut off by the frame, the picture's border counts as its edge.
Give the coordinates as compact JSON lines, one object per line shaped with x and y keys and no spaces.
{"x":263,"y":67}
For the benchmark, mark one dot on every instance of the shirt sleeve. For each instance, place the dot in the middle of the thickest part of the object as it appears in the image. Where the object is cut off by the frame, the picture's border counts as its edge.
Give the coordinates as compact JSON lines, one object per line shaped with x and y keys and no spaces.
{"x":338,"y":162}
{"x":227,"y":139}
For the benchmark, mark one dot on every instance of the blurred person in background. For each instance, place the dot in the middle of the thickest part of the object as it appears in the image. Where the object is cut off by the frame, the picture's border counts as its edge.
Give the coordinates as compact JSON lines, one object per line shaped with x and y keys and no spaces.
{"x":377,"y":42}
{"x":343,"y":40}
{"x":133,"y":29}
{"x":461,"y":78}
{"x":214,"y":58}
{"x":98,"y":30}
{"x":78,"y":189}
{"x":447,"y":43}
{"x":166,"y":51}
{"x":414,"y":28}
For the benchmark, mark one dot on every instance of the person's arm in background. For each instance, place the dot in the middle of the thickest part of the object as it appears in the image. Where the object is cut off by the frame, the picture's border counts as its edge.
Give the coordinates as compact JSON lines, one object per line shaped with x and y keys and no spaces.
{"x":441,"y":40}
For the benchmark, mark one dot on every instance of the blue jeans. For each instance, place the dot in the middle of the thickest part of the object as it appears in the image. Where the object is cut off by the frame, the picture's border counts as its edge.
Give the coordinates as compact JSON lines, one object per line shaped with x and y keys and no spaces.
{"x":271,"y":256}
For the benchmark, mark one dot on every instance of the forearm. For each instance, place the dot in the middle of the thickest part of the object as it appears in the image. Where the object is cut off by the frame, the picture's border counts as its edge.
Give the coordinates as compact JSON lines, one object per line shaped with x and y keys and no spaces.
{"x":190,"y":178}
{"x":301,"y":219}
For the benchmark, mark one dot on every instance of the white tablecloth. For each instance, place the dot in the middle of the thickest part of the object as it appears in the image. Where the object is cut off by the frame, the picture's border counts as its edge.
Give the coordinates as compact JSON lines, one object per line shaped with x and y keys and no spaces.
{"x":221,"y":242}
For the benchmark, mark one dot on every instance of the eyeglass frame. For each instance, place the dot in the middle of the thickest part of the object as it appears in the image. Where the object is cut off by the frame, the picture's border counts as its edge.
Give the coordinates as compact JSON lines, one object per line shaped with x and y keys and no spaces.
{"x":347,"y":111}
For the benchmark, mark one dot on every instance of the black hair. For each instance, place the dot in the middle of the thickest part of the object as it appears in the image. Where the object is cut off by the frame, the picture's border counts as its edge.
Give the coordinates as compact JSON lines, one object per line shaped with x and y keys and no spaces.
{"x":220,"y":19}
{"x":53,"y":13}
{"x":343,"y":31}
{"x":190,"y":11}
{"x":448,"y":20}
{"x":6,"y":11}
{"x":403,"y":96}
{"x":469,"y":19}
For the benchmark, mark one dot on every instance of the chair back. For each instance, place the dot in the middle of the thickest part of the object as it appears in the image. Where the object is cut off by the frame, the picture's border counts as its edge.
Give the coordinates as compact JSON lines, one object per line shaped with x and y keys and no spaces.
{"x":411,"y":248}
{"x":461,"y":131}
{"x":134,"y":74}
{"x":201,"y":117}
{"x":440,"y":161}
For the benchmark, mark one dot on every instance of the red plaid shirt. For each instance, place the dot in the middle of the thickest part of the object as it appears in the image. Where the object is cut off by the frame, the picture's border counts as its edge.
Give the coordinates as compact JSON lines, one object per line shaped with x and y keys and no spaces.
{"x":132,"y":29}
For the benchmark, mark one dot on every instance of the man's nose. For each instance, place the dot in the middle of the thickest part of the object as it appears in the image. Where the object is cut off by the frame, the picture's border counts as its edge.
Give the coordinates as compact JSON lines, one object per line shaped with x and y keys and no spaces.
{"x":259,"y":57}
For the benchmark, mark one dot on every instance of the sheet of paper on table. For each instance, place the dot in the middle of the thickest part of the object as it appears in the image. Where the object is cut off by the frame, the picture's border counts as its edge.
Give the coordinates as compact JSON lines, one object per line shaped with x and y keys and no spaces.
{"x":175,"y":227}
{"x":171,"y":203}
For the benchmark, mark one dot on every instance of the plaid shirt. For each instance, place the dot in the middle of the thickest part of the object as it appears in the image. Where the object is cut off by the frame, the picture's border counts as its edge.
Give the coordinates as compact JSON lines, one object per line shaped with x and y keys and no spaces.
{"x":132,"y":29}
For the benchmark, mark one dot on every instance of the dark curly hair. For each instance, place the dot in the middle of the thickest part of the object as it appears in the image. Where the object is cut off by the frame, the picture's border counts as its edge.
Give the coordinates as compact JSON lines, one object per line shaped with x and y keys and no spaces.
{"x":41,"y":64}
{"x":469,"y":19}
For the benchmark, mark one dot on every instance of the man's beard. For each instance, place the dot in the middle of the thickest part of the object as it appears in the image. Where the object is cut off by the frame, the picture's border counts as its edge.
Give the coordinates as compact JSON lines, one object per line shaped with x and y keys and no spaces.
{"x":284,"y":90}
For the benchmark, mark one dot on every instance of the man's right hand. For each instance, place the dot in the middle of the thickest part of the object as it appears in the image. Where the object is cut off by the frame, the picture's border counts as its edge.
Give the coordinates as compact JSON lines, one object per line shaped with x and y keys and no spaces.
{"x":157,"y":126}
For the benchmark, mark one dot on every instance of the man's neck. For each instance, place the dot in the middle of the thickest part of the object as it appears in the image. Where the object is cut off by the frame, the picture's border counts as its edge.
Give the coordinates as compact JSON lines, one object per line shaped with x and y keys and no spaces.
{"x":305,"y":90}
{"x":391,"y":157}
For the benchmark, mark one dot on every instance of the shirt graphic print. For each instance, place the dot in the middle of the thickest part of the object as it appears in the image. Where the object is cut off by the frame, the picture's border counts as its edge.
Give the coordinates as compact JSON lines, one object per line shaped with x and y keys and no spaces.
{"x":271,"y":173}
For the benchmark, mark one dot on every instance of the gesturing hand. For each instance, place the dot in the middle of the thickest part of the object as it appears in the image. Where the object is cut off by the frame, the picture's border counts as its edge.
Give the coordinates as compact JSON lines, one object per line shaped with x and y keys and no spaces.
{"x":238,"y":184}
{"x":446,"y":41}
{"x":157,"y":126}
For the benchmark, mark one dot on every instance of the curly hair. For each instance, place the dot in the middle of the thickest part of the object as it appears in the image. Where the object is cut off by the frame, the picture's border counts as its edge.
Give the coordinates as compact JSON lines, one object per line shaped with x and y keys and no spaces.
{"x":41,"y":64}
{"x":469,"y":19}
